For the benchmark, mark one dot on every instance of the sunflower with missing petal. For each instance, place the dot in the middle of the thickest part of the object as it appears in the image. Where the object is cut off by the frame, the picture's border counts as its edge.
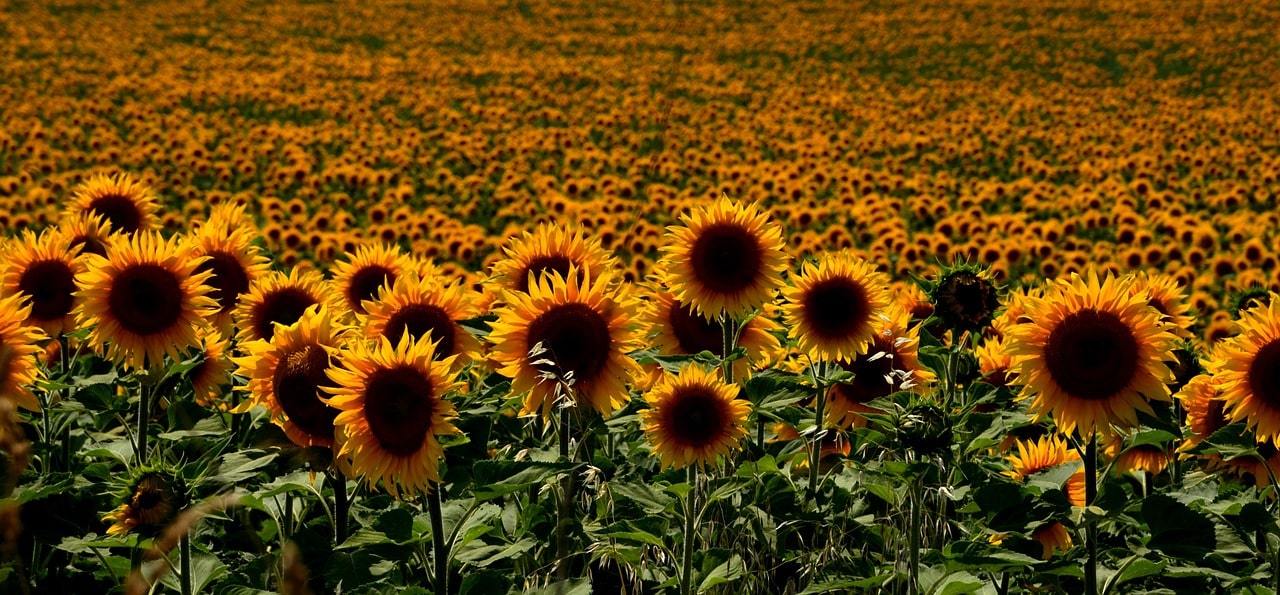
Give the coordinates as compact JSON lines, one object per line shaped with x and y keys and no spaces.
{"x":833,"y":307}
{"x":888,"y":365}
{"x":676,"y":329}
{"x":144,"y":300}
{"x":582,"y":329}
{"x":150,"y":503}
{"x":1165,"y":294}
{"x":693,"y":417}
{"x":231,"y":259}
{"x":393,"y":411}
{"x":126,"y":204}
{"x":551,"y":247}
{"x":1091,"y":355}
{"x":18,"y":352}
{"x":212,"y":375}
{"x":279,"y":299}
{"x":424,"y":307}
{"x":359,"y":276}
{"x":42,"y":269}
{"x":726,"y":258}
{"x":1246,"y":368}
{"x":287,"y":375}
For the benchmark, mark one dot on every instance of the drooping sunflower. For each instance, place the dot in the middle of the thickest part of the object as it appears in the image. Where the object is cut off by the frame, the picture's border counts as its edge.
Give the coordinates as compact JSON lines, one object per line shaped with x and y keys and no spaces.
{"x":288,"y":375}
{"x":693,"y":416}
{"x":127,"y":205}
{"x":1246,"y":368}
{"x":277,"y":298}
{"x":360,"y":275}
{"x":233,"y":262}
{"x":144,"y":300}
{"x":213,"y":374}
{"x":1091,"y":355}
{"x":888,"y":365}
{"x":19,"y":350}
{"x":833,"y":307}
{"x":1165,"y":295}
{"x":676,"y":329}
{"x":551,"y":247}
{"x":43,"y":270}
{"x":393,"y":411}
{"x":151,"y":502}
{"x":580,"y":329}
{"x":726,"y":258}
{"x":87,"y":232}
{"x":424,"y":307}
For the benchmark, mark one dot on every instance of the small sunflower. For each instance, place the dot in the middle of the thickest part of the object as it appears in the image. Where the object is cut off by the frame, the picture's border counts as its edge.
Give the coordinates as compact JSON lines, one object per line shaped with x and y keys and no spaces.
{"x":423,"y":307}
{"x":127,"y":205}
{"x":833,"y":307}
{"x":393,"y":411}
{"x":19,"y":350}
{"x":693,"y":417}
{"x":145,"y":299}
{"x":1053,"y":537}
{"x":551,"y":248}
{"x":1164,"y":294}
{"x":279,"y":299}
{"x":1247,"y":370}
{"x":233,"y":262}
{"x":888,"y":365}
{"x":964,"y":298}
{"x":676,"y":329}
{"x":369,"y":269}
{"x":579,"y":330}
{"x":726,"y":258}
{"x":288,"y":374}
{"x":1249,"y":298}
{"x":149,"y":505}
{"x":43,"y":270}
{"x":1091,"y":355}
{"x":213,"y":374}
{"x":1205,"y":415}
{"x":1046,"y":453}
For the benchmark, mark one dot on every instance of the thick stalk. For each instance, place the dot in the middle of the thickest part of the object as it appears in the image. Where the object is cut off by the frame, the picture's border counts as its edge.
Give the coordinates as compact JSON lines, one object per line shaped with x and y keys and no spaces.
{"x":1091,"y":528}
{"x":184,"y":563}
{"x":434,"y":502}
{"x":728,"y":332}
{"x":913,"y":536}
{"x":686,"y":565}
{"x":341,"y":508}
{"x":144,"y":417}
{"x":815,"y":449}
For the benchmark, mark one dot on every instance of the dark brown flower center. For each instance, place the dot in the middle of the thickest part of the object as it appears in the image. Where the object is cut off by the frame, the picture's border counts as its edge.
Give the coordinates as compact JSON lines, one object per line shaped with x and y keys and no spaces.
{"x":696,"y":417}
{"x":119,"y":210}
{"x":229,"y":279}
{"x":576,"y":339}
{"x":50,"y":284}
{"x":146,"y":299}
{"x":727,"y":258}
{"x":1264,"y":374}
{"x":399,"y":402}
{"x":89,"y":245}
{"x":695,"y":333}
{"x":419,"y":320}
{"x":1092,"y":354}
{"x":297,"y":382}
{"x":835,"y":307}
{"x":365,"y":284}
{"x":285,"y":306}
{"x":543,"y":264}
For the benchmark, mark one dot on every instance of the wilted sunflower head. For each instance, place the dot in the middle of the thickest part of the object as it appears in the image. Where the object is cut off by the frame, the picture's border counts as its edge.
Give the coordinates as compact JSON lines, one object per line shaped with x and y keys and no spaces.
{"x":964,"y":298}
{"x":151,"y":501}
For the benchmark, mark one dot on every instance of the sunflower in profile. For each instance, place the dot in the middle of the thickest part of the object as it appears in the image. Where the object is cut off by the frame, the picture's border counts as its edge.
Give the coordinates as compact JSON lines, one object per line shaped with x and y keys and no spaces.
{"x":1246,"y":368}
{"x":287,"y":375}
{"x":277,"y":298}
{"x":43,"y":270}
{"x":87,"y":232}
{"x":213,"y":374}
{"x":424,"y":307}
{"x":1204,"y":409}
{"x":577,"y":330}
{"x":127,"y":205}
{"x":359,"y":277}
{"x":1164,"y":294}
{"x":149,"y":505}
{"x":18,"y":353}
{"x":833,"y":308}
{"x":1091,"y":355}
{"x":393,"y":411}
{"x":726,"y":258}
{"x":144,"y":299}
{"x":551,"y":248}
{"x":1143,"y":457}
{"x":1040,"y":455}
{"x":676,"y":329}
{"x":888,"y":365}
{"x":995,"y":362}
{"x":693,"y":416}
{"x":231,"y":259}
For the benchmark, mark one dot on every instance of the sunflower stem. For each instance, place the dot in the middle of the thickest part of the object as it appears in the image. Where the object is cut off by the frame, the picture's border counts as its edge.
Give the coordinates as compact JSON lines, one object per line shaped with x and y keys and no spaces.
{"x":686,"y":565}
{"x":341,"y":508}
{"x":566,"y":505}
{"x":1091,"y":527}
{"x":815,"y":449}
{"x":728,"y":330}
{"x":435,"y":499}
{"x":913,"y":536}
{"x":184,"y":563}
{"x":144,"y":415}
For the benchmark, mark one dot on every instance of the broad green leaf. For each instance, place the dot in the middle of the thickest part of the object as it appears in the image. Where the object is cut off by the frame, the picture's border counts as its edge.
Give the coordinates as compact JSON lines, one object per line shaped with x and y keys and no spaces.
{"x":1177,"y":530}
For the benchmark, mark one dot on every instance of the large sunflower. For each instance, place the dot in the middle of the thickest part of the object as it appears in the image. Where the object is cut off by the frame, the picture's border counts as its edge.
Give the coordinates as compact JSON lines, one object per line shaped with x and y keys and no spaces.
{"x":675,"y":329}
{"x":1091,"y":354}
{"x":287,"y":374}
{"x":424,"y":307}
{"x":584,"y":331}
{"x":145,"y":299}
{"x":551,"y":248}
{"x":127,"y":205}
{"x":694,"y":416}
{"x":18,"y":352}
{"x":277,"y":298}
{"x":726,"y":258}
{"x":393,"y":411}
{"x":1246,"y":368}
{"x":832,"y":308}
{"x":888,"y":365}
{"x":43,"y":270}
{"x":233,"y":261}
{"x":369,"y":269}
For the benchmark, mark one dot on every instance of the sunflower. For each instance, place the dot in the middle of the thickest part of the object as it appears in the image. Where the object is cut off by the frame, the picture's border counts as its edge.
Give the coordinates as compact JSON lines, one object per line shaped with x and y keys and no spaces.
{"x":578,"y":330}
{"x":149,"y":505}
{"x":287,"y":374}
{"x":144,"y":298}
{"x":1200,"y":399}
{"x":888,"y":365}
{"x":964,"y":298}
{"x":212,"y":375}
{"x":1091,"y":355}
{"x":676,"y":329}
{"x":726,"y":258}
{"x":1247,"y":370}
{"x":1046,"y":453}
{"x":233,"y":262}
{"x":87,"y":232}
{"x":692,"y":417}
{"x":1144,"y":457}
{"x":127,"y":205}
{"x":18,"y":352}
{"x":422,"y":307}
{"x":551,"y":248}
{"x":1164,"y":294}
{"x":994,"y":362}
{"x":43,"y":270}
{"x":1052,"y":536}
{"x":833,"y":307}
{"x":277,"y":298}
{"x":369,"y":269}
{"x":393,"y":411}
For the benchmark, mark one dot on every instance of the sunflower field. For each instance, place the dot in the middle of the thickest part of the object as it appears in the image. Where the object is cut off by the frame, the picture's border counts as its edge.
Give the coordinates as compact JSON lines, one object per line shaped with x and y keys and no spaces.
{"x":568,"y":297}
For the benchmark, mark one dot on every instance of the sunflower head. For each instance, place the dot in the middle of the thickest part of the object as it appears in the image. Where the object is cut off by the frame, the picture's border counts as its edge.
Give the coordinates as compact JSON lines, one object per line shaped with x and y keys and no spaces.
{"x":676,"y":329}
{"x":279,"y":299}
{"x":233,"y":263}
{"x":693,"y":417}
{"x":1165,"y":294}
{"x":1253,"y":296}
{"x":833,"y":307}
{"x":424,"y":307}
{"x":1034,"y":456}
{"x":889,"y":365}
{"x":19,"y":349}
{"x":150,"y":502}
{"x":87,"y":232}
{"x":362,"y":274}
{"x":1246,"y":367}
{"x":551,"y":248}
{"x":127,"y":205}
{"x":964,"y":298}
{"x":212,"y":375}
{"x":1205,"y":415}
{"x":43,"y":269}
{"x":726,"y":258}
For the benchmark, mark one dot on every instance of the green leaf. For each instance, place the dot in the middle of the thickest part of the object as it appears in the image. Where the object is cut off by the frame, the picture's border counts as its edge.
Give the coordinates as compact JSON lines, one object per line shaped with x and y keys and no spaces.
{"x":728,"y":571}
{"x":571,"y":587}
{"x":1151,"y":438}
{"x":650,"y":500}
{"x":1177,"y":530}
{"x":977,"y":555}
{"x":236,"y":467}
{"x":484,"y":582}
{"x":846,"y":585}
{"x":488,"y":554}
{"x":205,"y":569}
{"x":495,"y":479}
